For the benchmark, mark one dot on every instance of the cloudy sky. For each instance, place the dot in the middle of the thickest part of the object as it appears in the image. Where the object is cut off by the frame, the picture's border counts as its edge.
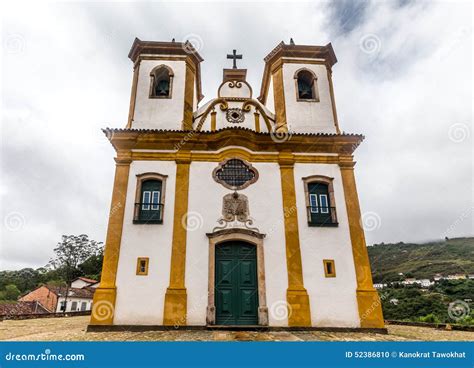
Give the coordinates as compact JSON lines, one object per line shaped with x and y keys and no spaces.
{"x":403,"y":79}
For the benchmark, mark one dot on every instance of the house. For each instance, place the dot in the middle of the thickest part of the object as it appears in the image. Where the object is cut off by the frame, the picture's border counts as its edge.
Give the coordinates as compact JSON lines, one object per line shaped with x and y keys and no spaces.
{"x":424,"y":283}
{"x":457,"y":276}
{"x":77,"y":300}
{"x":242,"y":210}
{"x":53,"y":298}
{"x":21,"y":308}
{"x":82,"y":282}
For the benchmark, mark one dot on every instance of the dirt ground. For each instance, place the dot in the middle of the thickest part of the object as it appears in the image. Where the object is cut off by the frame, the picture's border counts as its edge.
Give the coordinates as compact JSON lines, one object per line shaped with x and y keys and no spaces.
{"x":74,"y":329}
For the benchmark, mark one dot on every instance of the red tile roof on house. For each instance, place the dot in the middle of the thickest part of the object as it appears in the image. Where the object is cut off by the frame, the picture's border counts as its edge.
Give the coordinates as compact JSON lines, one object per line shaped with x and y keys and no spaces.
{"x":85,"y":279}
{"x":87,"y":293}
{"x":20,"y":308}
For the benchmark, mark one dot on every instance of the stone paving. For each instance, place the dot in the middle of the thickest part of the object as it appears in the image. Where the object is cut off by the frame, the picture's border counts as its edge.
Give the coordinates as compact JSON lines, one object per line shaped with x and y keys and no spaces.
{"x":74,"y":329}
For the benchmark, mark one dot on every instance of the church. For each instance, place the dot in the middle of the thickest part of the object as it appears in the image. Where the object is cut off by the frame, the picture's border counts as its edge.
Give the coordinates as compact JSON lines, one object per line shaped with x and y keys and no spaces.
{"x":241,"y":211}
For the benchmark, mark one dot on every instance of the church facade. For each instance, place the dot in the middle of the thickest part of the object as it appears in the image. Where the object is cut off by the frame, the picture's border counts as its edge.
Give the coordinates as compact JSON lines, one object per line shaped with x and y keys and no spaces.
{"x":242,"y":211}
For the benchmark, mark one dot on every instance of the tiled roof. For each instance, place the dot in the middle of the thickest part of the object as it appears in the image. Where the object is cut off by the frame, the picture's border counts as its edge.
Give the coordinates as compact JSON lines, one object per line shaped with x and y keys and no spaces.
{"x":87,"y":293}
{"x":19,"y":308}
{"x":85,"y":279}
{"x":107,"y":132}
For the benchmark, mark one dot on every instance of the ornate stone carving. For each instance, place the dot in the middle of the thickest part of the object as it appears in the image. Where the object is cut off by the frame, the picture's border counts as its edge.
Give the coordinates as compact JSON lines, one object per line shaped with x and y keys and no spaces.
{"x":235,"y":212}
{"x":235,"y":116}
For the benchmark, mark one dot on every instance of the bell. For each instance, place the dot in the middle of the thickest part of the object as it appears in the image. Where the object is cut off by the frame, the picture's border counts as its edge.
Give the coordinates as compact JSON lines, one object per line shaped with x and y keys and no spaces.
{"x":163,"y":88}
{"x":305,"y":91}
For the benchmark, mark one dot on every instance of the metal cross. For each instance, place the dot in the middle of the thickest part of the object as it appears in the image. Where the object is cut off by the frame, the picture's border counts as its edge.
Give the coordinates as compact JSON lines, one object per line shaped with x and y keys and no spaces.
{"x":234,"y":56}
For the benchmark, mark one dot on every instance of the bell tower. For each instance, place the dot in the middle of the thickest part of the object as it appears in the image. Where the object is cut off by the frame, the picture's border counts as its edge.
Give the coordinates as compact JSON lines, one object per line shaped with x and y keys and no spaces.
{"x":166,"y":85}
{"x":297,"y":85}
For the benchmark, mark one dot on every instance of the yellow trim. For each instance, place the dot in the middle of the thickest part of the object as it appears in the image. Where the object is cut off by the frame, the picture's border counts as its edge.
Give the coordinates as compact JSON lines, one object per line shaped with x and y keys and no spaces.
{"x":104,"y":296}
{"x":133,"y":95}
{"x":257,"y":121}
{"x":213,"y":121}
{"x":333,"y":100}
{"x":330,"y":262}
{"x":297,"y":297}
{"x":139,"y":261}
{"x":370,"y":310}
{"x":188,"y":98}
{"x":233,"y":152}
{"x":176,"y":297}
{"x":279,"y":97}
{"x":123,"y":139}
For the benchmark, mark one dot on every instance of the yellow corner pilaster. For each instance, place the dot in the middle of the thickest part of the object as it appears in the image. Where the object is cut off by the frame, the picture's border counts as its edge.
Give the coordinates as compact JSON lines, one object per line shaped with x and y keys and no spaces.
{"x":299,"y":313}
{"x":369,"y":304}
{"x":189,"y":80}
{"x":104,"y":297}
{"x":176,"y":298}
{"x":279,"y":98}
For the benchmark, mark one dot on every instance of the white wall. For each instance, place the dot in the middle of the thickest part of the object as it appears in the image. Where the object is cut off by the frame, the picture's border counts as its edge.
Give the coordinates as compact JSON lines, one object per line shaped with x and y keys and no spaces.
{"x":333,"y":300}
{"x":140,"y":299}
{"x":304,"y":116}
{"x":79,"y":284}
{"x":205,"y":207}
{"x":159,"y":113}
{"x":70,"y":299}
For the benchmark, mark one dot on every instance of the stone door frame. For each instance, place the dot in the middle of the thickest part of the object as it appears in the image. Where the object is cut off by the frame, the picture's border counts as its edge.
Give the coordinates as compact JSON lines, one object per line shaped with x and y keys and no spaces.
{"x":247,"y":236}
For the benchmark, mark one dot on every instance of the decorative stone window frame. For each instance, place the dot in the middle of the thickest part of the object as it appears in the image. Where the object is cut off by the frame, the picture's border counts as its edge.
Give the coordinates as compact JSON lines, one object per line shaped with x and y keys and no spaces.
{"x":327,"y":262}
{"x":314,"y":86}
{"x":324,"y":180}
{"x":243,"y":186}
{"x":139,"y":261}
{"x":152,"y":81}
{"x":249,"y":237}
{"x":141,"y":178}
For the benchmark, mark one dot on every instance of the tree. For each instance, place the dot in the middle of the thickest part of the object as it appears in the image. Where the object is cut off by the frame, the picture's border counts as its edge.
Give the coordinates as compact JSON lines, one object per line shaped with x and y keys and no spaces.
{"x":72,"y":251}
{"x":11,"y":292}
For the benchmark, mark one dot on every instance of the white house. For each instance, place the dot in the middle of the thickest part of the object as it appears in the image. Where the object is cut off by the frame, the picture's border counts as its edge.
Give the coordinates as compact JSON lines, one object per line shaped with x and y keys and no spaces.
{"x":82,"y":282}
{"x":239,"y":211}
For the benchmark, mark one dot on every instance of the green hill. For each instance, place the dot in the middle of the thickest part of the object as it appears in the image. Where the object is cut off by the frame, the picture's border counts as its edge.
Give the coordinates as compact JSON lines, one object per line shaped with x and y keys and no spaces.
{"x":448,"y":257}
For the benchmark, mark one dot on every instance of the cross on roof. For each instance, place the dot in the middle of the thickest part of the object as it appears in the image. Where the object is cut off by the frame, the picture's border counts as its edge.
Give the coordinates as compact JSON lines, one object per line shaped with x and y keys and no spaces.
{"x":234,"y":56}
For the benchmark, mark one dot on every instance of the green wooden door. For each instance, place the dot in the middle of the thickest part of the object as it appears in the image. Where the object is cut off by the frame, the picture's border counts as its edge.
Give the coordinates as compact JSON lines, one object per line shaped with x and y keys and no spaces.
{"x":236,"y":292}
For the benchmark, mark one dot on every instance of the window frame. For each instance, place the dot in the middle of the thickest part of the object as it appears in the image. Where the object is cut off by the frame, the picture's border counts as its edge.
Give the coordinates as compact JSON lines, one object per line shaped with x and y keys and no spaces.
{"x":330,"y":262}
{"x":314,"y":86}
{"x":221,"y":165}
{"x":332,"y":200}
{"x":141,"y":178}
{"x":151,"y":93}
{"x":139,"y":271}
